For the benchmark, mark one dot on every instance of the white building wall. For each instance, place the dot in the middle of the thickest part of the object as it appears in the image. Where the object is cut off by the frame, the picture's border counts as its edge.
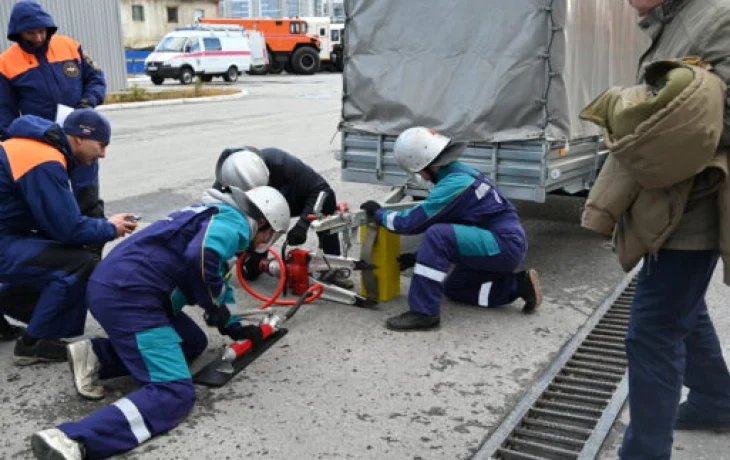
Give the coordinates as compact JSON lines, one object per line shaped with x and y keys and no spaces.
{"x":147,"y":33}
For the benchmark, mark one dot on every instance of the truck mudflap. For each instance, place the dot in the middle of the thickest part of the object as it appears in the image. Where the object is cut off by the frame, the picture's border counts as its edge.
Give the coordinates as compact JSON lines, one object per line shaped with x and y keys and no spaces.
{"x":523,"y":170}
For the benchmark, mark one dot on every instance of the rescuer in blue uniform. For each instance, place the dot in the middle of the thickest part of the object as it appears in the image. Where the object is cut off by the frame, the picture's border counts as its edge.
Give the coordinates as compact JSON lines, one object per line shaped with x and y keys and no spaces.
{"x":137,"y":294}
{"x":300,"y":185}
{"x":466,"y":222}
{"x":41,"y":70}
{"x":42,"y":231}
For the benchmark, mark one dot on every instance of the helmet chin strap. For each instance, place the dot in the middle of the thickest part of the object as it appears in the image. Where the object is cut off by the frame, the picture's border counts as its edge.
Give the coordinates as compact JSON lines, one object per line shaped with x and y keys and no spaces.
{"x":432,"y":176}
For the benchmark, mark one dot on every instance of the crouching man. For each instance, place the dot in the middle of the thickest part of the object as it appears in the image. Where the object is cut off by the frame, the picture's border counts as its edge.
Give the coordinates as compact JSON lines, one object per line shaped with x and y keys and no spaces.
{"x":247,"y":167}
{"x":466,"y":222}
{"x":137,"y":294}
{"x":43,"y":263}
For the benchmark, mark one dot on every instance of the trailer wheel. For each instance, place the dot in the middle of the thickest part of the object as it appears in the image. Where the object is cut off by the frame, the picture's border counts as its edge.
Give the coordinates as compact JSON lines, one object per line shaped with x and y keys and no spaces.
{"x":289,"y":69}
{"x":186,"y":75}
{"x":158,"y":80}
{"x":305,"y":61}
{"x":232,"y":74}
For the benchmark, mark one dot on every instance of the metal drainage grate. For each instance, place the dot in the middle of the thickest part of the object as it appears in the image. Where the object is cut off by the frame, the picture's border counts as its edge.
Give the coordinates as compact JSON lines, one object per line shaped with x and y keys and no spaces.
{"x":569,"y":412}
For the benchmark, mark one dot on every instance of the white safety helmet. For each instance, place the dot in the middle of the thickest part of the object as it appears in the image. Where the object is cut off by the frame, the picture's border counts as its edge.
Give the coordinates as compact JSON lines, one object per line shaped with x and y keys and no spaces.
{"x":243,"y":169}
{"x":264,"y":203}
{"x":417,"y":148}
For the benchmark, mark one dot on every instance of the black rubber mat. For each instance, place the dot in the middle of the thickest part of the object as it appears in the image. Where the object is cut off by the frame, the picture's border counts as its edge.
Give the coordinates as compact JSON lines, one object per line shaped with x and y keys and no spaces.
{"x":209,"y":375}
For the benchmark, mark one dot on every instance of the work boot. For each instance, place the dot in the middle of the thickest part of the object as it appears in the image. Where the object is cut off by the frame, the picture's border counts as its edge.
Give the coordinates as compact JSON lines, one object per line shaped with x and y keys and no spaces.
{"x":339,"y":278}
{"x":53,"y":444}
{"x":412,"y":321}
{"x":528,"y":289}
{"x":9,"y":332}
{"x":84,"y":367}
{"x":42,"y":350}
{"x":691,"y":419}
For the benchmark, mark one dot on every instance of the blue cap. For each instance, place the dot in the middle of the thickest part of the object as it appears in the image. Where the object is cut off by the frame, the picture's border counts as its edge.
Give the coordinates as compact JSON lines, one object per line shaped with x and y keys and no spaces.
{"x":88,"y":124}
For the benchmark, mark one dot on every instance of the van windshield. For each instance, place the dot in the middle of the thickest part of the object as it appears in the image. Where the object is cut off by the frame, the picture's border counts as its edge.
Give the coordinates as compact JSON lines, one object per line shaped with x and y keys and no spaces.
{"x":171,"y":44}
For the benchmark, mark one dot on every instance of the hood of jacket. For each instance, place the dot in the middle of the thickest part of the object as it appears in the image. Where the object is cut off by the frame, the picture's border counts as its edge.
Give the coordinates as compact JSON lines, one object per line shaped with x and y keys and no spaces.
{"x":42,"y":130}
{"x":29,"y":15}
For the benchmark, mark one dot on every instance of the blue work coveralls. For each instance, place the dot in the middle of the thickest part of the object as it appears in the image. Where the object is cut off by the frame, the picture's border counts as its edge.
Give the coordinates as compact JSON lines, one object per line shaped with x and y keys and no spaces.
{"x":42,"y":230}
{"x":33,"y":81}
{"x":466,"y":222}
{"x":136,"y":295}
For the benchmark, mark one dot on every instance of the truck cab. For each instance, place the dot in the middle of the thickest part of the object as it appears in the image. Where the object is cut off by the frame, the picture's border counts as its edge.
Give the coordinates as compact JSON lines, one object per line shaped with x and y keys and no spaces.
{"x":289,"y":43}
{"x":330,"y":38}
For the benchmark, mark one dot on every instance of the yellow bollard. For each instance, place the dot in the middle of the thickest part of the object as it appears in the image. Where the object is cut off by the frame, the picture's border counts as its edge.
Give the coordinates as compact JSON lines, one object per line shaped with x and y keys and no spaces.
{"x":385,"y":256}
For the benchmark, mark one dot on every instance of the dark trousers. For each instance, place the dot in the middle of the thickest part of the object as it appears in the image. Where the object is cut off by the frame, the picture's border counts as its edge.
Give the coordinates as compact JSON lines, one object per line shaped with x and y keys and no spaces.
{"x":44,"y":284}
{"x":671,"y":341}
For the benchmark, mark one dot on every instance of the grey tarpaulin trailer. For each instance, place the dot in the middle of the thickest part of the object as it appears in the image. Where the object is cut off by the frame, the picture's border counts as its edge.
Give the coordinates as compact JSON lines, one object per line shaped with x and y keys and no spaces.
{"x":507,"y":76}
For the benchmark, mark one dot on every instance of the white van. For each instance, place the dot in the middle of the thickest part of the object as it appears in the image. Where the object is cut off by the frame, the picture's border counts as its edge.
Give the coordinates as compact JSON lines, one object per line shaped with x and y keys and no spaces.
{"x":206,"y":51}
{"x":330,"y":35}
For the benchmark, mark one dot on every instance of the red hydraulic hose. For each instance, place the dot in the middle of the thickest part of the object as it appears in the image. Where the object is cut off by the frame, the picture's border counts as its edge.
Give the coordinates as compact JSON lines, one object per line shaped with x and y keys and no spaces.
{"x":316,"y":289}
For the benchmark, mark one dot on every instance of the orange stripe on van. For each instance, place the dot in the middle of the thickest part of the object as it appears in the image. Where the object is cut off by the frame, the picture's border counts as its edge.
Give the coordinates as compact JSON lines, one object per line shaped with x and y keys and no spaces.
{"x":63,"y":48}
{"x":14,"y":61}
{"x":25,"y":154}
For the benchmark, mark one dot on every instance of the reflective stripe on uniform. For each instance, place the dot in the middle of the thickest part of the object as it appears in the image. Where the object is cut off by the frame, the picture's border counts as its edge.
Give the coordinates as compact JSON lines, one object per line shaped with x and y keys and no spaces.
{"x":430,"y":273}
{"x":390,"y":221}
{"x":134,"y":418}
{"x":482,"y":190}
{"x":484,"y":294}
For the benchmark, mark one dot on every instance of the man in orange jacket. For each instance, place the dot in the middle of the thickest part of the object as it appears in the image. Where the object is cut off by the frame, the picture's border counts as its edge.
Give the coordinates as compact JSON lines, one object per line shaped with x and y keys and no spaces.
{"x":37,"y":73}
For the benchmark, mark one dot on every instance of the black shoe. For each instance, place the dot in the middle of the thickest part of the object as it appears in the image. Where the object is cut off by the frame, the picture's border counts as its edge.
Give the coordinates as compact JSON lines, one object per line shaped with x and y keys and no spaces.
{"x":9,"y":332}
{"x":689,"y":419}
{"x":412,"y":321}
{"x":528,"y":289}
{"x":44,"y":350}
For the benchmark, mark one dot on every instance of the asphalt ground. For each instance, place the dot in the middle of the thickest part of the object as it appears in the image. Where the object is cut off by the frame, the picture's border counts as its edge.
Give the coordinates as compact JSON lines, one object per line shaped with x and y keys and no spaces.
{"x":339,"y":385}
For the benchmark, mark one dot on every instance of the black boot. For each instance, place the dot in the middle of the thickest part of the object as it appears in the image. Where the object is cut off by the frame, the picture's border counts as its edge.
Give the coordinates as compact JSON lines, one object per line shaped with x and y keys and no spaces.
{"x":30,"y":350}
{"x":528,"y":289}
{"x":692,"y":419}
{"x":9,"y":332}
{"x":412,"y":321}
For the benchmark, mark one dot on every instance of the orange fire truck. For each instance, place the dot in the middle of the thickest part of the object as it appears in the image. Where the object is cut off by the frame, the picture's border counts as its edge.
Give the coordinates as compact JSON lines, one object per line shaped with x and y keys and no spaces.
{"x":288,"y":43}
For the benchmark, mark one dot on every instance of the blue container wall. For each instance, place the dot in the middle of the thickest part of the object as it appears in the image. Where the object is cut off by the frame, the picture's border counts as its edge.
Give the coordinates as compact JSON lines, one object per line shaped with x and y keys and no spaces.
{"x":135,"y":60}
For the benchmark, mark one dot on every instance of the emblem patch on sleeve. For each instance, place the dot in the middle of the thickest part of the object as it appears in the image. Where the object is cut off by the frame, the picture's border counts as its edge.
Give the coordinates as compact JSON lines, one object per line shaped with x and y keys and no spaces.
{"x":90,"y":62}
{"x":71,"y":69}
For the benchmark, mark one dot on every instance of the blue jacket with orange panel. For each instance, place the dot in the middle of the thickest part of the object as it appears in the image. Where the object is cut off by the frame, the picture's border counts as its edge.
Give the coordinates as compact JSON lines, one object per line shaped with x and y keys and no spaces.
{"x":35,"y":193}
{"x":33,"y":81}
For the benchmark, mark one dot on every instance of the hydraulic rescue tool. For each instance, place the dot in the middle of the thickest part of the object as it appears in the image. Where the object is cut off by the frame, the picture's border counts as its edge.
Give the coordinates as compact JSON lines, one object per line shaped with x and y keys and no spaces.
{"x":239,"y":354}
{"x":297,"y":272}
{"x":378,"y":246}
{"x":302,"y":268}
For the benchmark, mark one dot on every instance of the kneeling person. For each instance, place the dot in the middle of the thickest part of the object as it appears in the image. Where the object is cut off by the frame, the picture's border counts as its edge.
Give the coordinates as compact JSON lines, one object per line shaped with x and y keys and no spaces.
{"x":43,"y":263}
{"x":137,"y":294}
{"x":466,"y":222}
